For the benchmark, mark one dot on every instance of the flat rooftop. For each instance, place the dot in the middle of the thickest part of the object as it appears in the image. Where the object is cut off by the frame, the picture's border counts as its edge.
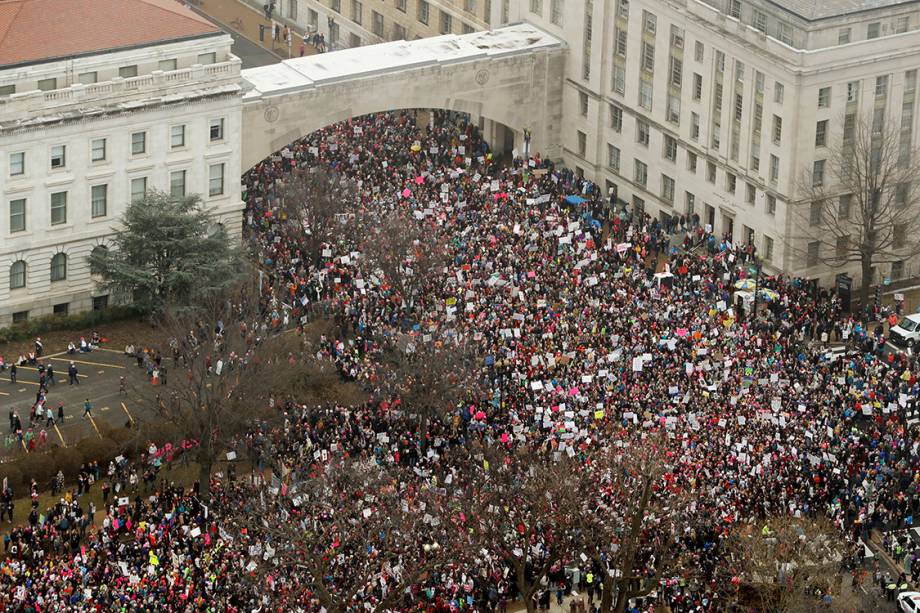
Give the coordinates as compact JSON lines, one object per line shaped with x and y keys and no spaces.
{"x":326,"y":68}
{"x":814,"y":10}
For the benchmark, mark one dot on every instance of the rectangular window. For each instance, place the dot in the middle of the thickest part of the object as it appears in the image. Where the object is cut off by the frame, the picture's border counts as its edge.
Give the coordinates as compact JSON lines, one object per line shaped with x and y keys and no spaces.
{"x":815,"y":213}
{"x":898,"y":235}
{"x":402,"y":5}
{"x":698,"y":51}
{"x":767,"y":248}
{"x":691,"y":162}
{"x":59,"y":156}
{"x":582,"y":143}
{"x":216,"y":129}
{"x":138,"y":189}
{"x":676,"y":72}
{"x":824,"y":97}
{"x":777,"y":129}
{"x":616,"y":118}
{"x":902,"y":24}
{"x":623,"y":9}
{"x":126,"y":72}
{"x":619,"y":41}
{"x":750,"y":193}
{"x":20,"y":317}
{"x":377,"y":23}
{"x":58,"y":208}
{"x":7,"y":90}
{"x":734,"y":8}
{"x":647,"y":60}
{"x":731,"y":182}
{"x":690,"y":200}
{"x":422,"y":11}
{"x":177,"y":184}
{"x":843,"y":36}
{"x":138,"y":143}
{"x":446,"y":23}
{"x":399,"y":32}
{"x":46,"y":85}
{"x":901,"y":193}
{"x":97,"y":153}
{"x":100,"y":303}
{"x":619,"y":79}
{"x":99,"y":200}
{"x":843,"y":207}
{"x":814,"y":252}
{"x":670,"y":148}
{"x":645,"y":94}
{"x":613,"y":158}
{"x":881,"y":86}
{"x":897,"y":269}
{"x":336,"y":6}
{"x":641,"y":173}
{"x":536,"y":7}
{"x":774,"y":168}
{"x":672,"y":112}
{"x":649,"y":22}
{"x":18,"y":215}
{"x":785,"y":32}
{"x":759,"y":20}
{"x":739,"y":106}
{"x":583,"y":103}
{"x":771,"y":204}
{"x":711,"y":172}
{"x":167,"y":65}
{"x":555,"y":12}
{"x":778,"y":92}
{"x":17,"y":163}
{"x":842,"y":246}
{"x":642,"y":132}
{"x":216,"y":180}
{"x":852,"y":91}
{"x":694,"y":126}
{"x":207,"y":58}
{"x":677,"y":37}
{"x":697,"y":86}
{"x":873,"y":30}
{"x":821,"y":133}
{"x":87,"y":78}
{"x":667,"y":189}
{"x":177,"y":136}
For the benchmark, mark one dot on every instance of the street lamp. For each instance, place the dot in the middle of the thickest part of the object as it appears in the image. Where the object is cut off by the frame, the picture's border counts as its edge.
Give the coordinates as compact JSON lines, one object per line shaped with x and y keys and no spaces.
{"x":527,"y":136}
{"x":757,"y":269}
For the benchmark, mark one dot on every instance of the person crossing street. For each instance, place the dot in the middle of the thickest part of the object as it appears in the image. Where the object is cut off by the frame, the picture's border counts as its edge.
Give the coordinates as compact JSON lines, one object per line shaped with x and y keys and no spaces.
{"x":87,"y":410}
{"x":72,"y":374}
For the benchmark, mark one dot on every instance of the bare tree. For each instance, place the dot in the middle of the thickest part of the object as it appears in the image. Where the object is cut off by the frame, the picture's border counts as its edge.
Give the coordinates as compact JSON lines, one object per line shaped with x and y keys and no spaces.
{"x":787,"y":565}
{"x":359,"y":534}
{"x":861,"y":202}
{"x":223,"y":373}
{"x":627,"y":518}
{"x":521,"y":508}
{"x":407,"y":254}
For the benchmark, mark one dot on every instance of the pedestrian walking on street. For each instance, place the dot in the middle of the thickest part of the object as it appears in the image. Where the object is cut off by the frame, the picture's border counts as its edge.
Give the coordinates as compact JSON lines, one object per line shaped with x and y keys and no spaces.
{"x":49,"y":373}
{"x":72,"y":374}
{"x":122,"y":383}
{"x":61,"y":412}
{"x":87,"y":410}
{"x":13,"y":373}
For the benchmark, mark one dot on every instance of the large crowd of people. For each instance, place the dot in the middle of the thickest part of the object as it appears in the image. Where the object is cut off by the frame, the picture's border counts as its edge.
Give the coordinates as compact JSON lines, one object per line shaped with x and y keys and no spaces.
{"x":596,"y":327}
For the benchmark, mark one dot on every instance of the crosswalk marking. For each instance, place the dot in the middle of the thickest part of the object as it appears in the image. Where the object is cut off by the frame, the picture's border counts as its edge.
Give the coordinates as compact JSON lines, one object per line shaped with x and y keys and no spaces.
{"x":93,"y":421}
{"x":60,"y":436}
{"x":128,"y":413}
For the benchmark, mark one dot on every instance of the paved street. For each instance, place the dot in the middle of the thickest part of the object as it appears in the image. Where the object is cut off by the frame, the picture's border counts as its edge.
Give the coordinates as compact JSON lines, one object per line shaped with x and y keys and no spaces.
{"x":99,"y":373}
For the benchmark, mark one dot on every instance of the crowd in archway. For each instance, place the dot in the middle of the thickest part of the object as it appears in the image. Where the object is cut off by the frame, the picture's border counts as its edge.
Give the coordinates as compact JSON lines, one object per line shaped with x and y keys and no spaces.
{"x":583,"y":349}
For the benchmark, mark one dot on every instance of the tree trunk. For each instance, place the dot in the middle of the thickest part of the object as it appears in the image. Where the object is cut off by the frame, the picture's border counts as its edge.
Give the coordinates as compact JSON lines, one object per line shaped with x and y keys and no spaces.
{"x":607,"y":596}
{"x":866,"y":269}
{"x":204,"y":478}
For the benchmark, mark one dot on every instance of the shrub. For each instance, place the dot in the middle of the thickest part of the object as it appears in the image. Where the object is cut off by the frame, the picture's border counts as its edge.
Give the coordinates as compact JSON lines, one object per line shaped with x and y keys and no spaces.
{"x":160,"y":432}
{"x":88,"y":319}
{"x":67,"y":460}
{"x":101,"y":450}
{"x":10,"y":471}
{"x":38,"y":466}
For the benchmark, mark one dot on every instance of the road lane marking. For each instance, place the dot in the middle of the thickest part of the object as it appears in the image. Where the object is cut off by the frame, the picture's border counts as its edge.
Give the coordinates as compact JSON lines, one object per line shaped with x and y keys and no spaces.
{"x":128,"y":413}
{"x":93,"y":421}
{"x":60,"y":436}
{"x":55,"y":374}
{"x":90,"y":363}
{"x":4,"y":394}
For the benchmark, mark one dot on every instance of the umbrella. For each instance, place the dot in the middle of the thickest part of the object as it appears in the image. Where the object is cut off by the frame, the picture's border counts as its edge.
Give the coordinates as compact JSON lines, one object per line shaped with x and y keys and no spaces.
{"x":745,"y":284}
{"x":768,"y":294}
{"x":574,"y":199}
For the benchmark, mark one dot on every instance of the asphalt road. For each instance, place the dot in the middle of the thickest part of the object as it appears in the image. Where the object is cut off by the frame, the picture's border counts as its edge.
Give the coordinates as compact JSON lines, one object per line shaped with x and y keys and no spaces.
{"x":99,"y":373}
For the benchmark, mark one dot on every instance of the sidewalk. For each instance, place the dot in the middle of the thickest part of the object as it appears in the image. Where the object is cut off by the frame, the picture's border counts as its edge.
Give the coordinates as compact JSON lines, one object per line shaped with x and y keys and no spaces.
{"x":246,"y":21}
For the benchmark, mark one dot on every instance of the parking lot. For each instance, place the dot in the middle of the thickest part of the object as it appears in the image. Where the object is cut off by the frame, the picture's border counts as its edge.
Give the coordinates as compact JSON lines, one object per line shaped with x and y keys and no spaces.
{"x":99,"y":373}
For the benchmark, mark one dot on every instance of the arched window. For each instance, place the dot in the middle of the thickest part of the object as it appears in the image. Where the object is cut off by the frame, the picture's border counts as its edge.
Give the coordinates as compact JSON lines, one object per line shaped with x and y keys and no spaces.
{"x":18,"y":275}
{"x":99,"y":253}
{"x":58,"y":267}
